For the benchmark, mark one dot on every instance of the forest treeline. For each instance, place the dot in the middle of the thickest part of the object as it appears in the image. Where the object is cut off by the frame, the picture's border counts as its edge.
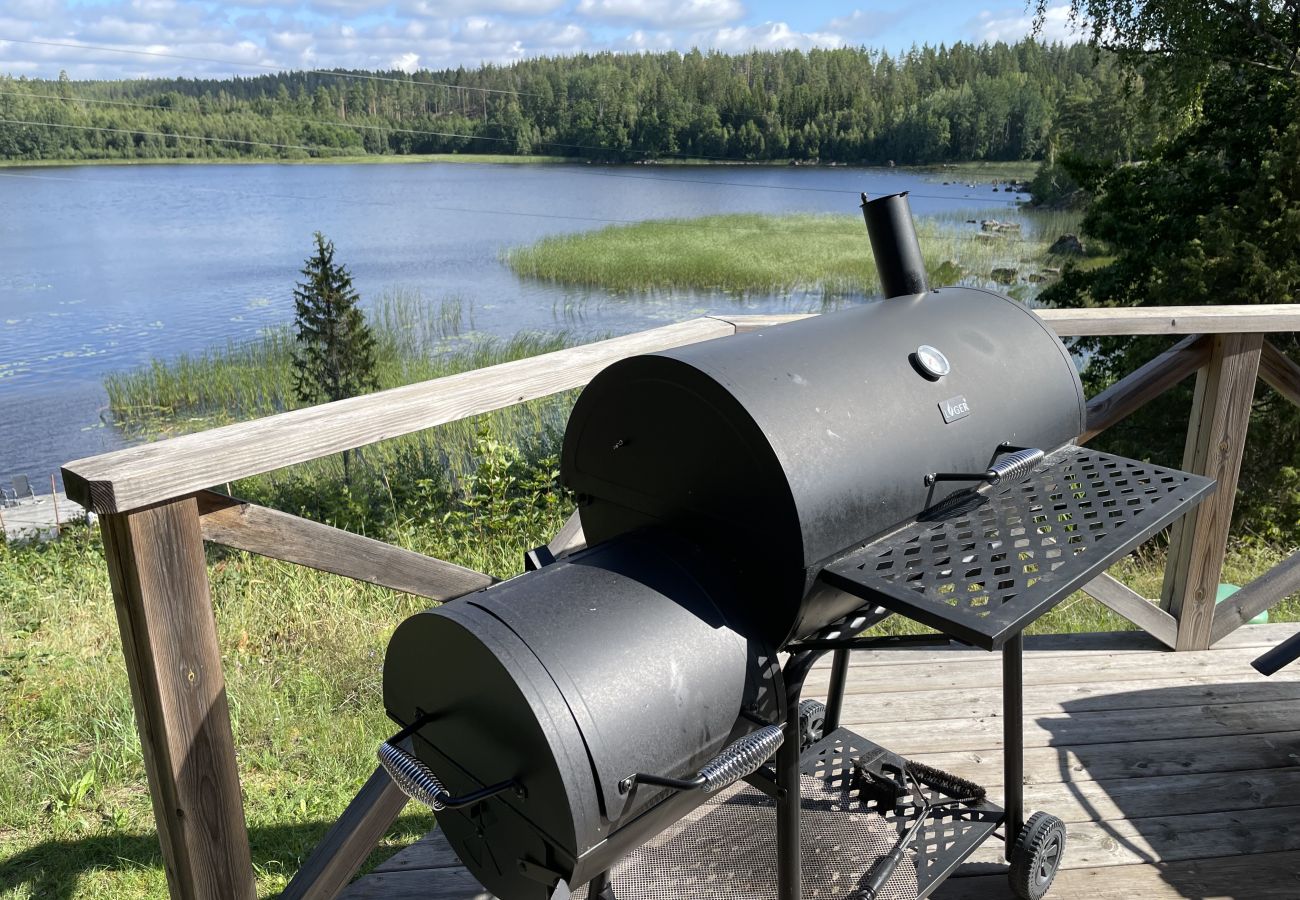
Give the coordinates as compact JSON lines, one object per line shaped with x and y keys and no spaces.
{"x":965,"y":102}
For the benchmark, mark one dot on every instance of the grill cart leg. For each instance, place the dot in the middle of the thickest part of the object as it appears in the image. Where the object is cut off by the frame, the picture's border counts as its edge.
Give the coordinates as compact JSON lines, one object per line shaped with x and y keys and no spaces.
{"x":789,"y":863}
{"x":1013,"y":738}
{"x":601,"y":888}
{"x":835,"y":694}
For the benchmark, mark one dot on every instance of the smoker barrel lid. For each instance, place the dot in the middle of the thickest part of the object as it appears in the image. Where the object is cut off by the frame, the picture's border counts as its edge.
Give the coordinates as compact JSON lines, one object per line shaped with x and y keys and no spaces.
{"x":784,"y":448}
{"x":981,"y":567}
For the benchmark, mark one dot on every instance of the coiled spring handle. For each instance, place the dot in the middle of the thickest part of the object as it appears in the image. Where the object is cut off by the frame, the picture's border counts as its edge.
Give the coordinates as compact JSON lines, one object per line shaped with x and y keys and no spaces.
{"x":1014,"y":466}
{"x":418,"y":782}
{"x":737,"y":760}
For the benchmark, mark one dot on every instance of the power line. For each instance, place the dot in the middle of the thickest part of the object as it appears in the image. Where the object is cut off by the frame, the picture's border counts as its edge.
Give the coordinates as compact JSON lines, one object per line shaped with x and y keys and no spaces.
{"x":657,"y":153}
{"x":272,"y":67}
{"x":165,"y":134}
{"x":342,"y":151}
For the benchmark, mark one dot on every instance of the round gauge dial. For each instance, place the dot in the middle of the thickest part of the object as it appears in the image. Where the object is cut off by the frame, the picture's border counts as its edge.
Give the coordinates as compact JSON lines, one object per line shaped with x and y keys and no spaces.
{"x":931,"y":362}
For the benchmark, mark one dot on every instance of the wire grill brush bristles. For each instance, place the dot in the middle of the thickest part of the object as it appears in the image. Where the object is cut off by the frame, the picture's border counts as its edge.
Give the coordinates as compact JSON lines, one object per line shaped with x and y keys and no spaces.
{"x":953,"y":786}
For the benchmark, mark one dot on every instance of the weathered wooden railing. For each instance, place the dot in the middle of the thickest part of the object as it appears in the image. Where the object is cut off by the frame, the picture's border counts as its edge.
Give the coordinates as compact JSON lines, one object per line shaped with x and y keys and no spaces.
{"x":156,"y":512}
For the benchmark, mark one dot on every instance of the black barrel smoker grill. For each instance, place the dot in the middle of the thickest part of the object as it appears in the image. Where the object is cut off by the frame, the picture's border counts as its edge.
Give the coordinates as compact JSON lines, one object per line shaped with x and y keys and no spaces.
{"x":751,"y":504}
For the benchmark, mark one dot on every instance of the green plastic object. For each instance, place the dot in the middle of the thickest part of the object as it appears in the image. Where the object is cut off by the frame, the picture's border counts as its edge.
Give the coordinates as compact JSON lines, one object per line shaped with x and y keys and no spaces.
{"x":1227,"y":590}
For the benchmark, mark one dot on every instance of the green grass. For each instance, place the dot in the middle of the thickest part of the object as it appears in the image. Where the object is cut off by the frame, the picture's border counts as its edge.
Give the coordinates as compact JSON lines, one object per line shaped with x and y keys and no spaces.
{"x":750,"y":253}
{"x":415,"y":341}
{"x":984,"y":170}
{"x":303,"y":654}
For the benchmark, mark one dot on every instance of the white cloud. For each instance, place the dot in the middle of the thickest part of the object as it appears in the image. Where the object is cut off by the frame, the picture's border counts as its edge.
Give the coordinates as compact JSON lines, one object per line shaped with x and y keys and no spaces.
{"x":649,"y":40}
{"x":441,"y":9}
{"x":214,"y":38}
{"x":663,"y":12}
{"x":1011,"y":25}
{"x":407,"y":62}
{"x":860,"y":24}
{"x":768,"y":36}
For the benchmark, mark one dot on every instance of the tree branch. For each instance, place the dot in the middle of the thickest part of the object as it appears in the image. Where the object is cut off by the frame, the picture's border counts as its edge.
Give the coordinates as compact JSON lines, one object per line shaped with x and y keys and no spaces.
{"x":1242,"y":12}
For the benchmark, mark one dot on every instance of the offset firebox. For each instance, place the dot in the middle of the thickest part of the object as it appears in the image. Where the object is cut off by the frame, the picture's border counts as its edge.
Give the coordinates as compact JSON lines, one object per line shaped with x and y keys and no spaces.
{"x":774,"y":492}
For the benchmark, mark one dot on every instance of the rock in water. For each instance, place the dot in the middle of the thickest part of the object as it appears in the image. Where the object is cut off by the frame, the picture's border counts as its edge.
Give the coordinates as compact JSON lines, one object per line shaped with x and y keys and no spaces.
{"x":1067,"y":245}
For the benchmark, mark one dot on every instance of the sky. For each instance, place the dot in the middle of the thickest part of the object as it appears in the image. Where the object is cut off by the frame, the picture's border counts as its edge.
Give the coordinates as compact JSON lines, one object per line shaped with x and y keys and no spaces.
{"x":241,"y":37}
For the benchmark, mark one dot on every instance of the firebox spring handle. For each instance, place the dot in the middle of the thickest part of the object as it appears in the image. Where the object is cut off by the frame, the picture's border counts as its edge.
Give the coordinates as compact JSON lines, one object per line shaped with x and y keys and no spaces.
{"x":418,"y":782}
{"x":1013,"y":467}
{"x":738,"y":760}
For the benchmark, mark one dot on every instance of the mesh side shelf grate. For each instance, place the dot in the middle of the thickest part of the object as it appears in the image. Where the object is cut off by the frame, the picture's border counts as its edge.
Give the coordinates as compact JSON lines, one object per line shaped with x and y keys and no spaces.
{"x":981,"y":567}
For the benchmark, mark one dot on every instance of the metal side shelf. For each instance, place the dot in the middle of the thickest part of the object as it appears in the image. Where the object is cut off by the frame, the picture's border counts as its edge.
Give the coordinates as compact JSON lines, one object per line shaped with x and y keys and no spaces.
{"x":981,"y":565}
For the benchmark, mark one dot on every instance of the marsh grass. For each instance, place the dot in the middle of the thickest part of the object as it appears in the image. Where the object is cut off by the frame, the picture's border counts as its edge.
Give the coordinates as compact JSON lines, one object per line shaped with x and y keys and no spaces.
{"x":749,"y":254}
{"x":416,"y":341}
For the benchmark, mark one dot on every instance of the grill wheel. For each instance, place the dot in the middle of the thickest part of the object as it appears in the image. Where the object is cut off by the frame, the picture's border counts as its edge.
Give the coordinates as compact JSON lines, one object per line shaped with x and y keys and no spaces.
{"x":1036,"y":856}
{"x":812,"y":721}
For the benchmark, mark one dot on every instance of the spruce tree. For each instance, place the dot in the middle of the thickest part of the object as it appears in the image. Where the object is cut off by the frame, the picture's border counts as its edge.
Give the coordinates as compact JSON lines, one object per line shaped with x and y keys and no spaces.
{"x":335,"y":353}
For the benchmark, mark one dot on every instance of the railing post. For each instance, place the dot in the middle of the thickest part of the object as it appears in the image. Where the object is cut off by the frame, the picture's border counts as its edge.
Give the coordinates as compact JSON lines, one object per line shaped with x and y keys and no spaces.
{"x":160,"y":589}
{"x":1216,"y":438}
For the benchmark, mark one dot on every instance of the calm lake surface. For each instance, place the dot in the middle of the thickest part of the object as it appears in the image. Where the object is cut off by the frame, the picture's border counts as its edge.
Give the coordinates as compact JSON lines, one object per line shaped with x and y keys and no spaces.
{"x":106,"y":268}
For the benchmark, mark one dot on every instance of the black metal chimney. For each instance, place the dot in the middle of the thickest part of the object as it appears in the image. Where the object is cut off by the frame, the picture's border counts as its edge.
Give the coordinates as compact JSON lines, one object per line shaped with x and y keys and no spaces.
{"x":894,"y":245}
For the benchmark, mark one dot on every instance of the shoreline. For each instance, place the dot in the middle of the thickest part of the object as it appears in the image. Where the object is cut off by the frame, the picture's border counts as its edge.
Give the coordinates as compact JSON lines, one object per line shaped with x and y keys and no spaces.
{"x":995,"y":170}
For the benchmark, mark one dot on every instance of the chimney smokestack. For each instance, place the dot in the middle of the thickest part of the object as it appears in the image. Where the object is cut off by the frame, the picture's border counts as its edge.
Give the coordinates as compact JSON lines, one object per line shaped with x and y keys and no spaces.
{"x":894,"y":245}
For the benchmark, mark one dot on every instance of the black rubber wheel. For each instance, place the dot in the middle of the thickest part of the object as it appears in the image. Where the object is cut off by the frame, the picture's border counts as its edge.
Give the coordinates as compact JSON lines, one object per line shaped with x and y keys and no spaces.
{"x":812,"y":721}
{"x":1036,"y":856}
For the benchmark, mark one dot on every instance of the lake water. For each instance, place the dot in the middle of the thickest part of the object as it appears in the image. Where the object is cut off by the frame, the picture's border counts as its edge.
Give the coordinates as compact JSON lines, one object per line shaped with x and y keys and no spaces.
{"x":106,"y":268}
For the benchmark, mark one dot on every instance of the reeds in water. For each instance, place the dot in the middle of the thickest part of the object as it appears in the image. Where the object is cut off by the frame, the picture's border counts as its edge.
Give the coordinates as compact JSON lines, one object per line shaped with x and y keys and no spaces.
{"x":771,"y":254}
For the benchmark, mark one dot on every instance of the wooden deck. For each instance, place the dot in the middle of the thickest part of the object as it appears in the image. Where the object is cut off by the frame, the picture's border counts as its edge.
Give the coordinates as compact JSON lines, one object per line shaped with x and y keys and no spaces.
{"x":1178,"y":775}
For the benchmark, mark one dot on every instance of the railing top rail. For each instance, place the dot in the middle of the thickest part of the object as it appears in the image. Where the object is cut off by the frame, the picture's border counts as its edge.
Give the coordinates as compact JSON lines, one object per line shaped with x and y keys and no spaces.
{"x":1266,"y":319}
{"x":151,"y":473}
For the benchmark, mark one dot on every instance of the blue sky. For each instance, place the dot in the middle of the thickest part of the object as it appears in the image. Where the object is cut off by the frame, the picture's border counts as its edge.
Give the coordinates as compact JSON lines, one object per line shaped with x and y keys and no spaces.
{"x":237,"y":37}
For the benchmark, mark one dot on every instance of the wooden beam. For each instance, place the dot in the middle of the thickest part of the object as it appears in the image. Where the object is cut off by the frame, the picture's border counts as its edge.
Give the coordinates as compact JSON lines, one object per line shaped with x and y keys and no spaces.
{"x":351,"y":839}
{"x":1141,"y":386}
{"x":160,"y":589}
{"x":1263,"y":593}
{"x":1216,"y":439}
{"x":569,"y":539}
{"x":1148,"y":616}
{"x":1249,"y":319}
{"x":1280,"y":372}
{"x":268,"y":532}
{"x":149,"y":473}
{"x":748,"y":323}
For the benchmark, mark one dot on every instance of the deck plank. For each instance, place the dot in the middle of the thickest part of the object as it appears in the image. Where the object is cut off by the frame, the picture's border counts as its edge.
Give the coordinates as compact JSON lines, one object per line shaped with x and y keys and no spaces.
{"x":1259,"y":876}
{"x":1178,"y":775}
